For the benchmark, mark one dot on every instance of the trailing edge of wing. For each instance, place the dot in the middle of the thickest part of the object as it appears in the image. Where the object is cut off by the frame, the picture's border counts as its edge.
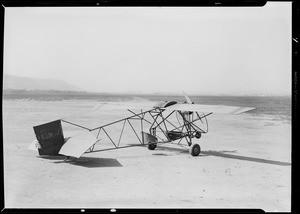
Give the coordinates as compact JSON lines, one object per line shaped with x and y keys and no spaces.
{"x":216,"y":109}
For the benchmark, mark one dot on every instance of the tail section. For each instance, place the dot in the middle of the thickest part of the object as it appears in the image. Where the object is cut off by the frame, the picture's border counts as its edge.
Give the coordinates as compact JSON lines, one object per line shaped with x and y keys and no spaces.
{"x":50,"y":137}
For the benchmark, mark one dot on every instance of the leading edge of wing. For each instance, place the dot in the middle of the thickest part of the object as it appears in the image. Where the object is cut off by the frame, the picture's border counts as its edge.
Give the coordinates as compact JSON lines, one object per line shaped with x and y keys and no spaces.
{"x":216,"y":109}
{"x":124,"y":105}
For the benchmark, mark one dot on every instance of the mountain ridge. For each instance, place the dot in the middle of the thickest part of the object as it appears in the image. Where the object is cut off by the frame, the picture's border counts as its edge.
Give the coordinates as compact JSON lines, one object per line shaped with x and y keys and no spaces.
{"x":27,"y":83}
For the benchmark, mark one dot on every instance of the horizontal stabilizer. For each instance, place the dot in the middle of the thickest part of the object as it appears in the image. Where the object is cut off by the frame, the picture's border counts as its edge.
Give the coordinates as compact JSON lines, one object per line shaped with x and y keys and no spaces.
{"x":216,"y":109}
{"x":77,"y":145}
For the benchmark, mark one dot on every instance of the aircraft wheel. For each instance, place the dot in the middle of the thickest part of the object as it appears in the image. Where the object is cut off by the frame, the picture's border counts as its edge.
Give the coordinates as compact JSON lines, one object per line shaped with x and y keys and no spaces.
{"x":152,"y":146}
{"x":195,"y":149}
{"x":198,"y":135}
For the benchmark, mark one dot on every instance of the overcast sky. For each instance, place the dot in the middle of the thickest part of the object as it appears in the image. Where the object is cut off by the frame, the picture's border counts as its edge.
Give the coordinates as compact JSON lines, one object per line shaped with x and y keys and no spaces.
{"x":201,"y":50}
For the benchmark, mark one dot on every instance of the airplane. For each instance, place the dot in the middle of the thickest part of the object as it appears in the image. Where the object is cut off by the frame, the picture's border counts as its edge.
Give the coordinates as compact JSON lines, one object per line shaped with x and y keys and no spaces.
{"x":165,"y":122}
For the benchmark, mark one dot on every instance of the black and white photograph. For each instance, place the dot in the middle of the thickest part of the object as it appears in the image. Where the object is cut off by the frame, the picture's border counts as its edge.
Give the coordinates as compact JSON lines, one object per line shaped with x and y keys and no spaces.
{"x":148,"y":107}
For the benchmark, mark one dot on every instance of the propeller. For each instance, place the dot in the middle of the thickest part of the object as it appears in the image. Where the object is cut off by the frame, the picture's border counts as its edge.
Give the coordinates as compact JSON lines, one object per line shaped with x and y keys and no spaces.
{"x":188,"y":100}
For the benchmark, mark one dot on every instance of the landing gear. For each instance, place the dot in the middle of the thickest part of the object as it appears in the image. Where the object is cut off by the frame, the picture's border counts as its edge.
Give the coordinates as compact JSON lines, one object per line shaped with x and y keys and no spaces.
{"x":195,"y":149}
{"x":198,"y":135}
{"x":150,"y":139}
{"x":151,"y":146}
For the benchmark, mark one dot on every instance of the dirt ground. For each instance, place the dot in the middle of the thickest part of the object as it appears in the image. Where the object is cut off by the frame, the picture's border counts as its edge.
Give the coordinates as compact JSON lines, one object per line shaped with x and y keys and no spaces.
{"x":245,"y":163}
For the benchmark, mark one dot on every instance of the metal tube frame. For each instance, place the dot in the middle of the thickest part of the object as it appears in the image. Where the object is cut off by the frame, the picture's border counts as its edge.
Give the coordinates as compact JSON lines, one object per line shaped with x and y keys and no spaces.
{"x":154,"y":125}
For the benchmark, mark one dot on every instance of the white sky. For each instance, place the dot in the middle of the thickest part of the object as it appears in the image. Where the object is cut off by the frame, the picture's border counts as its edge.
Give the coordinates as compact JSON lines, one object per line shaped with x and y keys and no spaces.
{"x":201,"y":50}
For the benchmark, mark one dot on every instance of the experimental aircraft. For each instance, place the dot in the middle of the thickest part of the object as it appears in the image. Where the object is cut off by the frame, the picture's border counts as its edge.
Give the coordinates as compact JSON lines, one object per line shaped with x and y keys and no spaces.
{"x":165,"y":122}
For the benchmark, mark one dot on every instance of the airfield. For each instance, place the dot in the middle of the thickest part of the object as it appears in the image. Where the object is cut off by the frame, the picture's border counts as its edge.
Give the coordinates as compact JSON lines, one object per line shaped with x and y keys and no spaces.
{"x":245,"y":163}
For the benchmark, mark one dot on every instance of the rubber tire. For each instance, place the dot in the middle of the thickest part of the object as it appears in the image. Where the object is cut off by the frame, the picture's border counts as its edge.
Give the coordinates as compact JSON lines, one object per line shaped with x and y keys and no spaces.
{"x":198,"y":135}
{"x":195,"y":149}
{"x":151,"y":146}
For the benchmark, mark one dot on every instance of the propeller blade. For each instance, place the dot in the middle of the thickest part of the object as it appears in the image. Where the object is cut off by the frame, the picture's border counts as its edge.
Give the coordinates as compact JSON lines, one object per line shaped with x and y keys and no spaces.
{"x":188,"y":100}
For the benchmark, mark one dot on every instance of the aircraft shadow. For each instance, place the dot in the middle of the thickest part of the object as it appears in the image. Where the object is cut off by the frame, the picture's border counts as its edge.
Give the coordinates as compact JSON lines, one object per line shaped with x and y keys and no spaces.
{"x":160,"y":154}
{"x":52,"y":157}
{"x":179,"y":149}
{"x":225,"y":154}
{"x":92,"y":162}
{"x":245,"y":158}
{"x":89,"y":162}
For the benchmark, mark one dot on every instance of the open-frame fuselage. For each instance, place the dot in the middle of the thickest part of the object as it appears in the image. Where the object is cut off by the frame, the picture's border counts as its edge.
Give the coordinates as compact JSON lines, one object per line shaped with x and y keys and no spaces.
{"x":157,"y":126}
{"x":156,"y":121}
{"x":166,"y":122}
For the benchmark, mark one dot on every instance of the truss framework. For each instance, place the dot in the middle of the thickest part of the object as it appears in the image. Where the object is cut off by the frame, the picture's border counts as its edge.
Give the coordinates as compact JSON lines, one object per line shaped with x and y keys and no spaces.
{"x":157,"y":123}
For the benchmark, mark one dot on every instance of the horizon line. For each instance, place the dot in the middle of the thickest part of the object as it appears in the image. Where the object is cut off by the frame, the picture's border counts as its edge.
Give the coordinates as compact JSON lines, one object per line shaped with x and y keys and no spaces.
{"x":141,"y":93}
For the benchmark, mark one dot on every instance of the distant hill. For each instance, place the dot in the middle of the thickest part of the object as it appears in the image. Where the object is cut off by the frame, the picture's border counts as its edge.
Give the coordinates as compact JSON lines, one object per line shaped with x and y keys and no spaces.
{"x":16,"y":82}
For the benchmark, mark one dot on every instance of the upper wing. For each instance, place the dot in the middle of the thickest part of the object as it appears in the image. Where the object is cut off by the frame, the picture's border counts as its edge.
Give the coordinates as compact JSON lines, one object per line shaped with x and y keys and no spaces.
{"x":217,"y":109}
{"x":125,"y":105}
